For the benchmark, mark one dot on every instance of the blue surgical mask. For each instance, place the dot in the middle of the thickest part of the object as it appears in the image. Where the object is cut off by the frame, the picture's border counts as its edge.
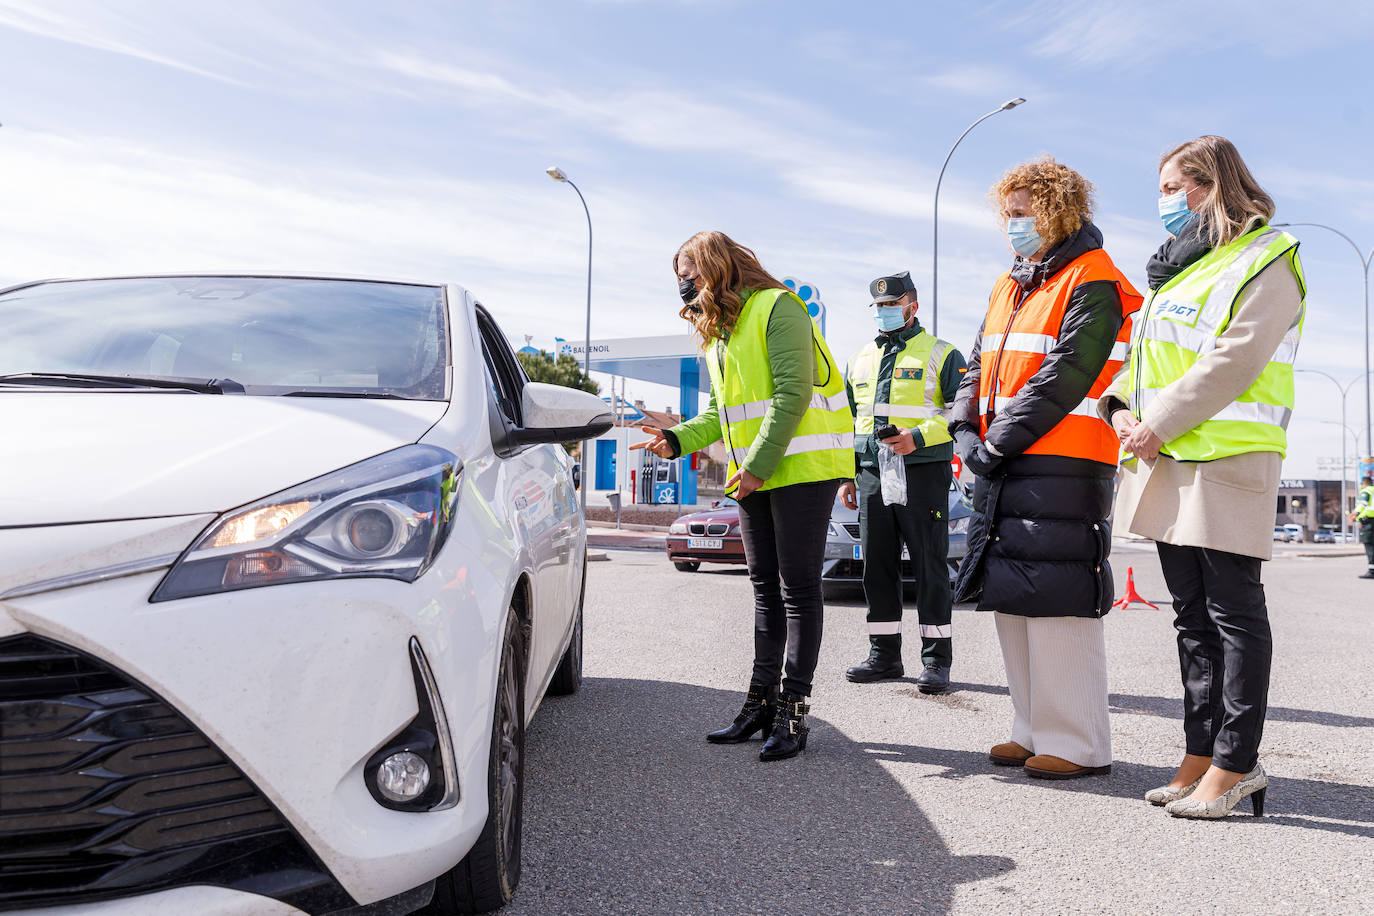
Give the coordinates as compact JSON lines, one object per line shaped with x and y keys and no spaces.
{"x":888,"y":317}
{"x":1174,"y":212}
{"x":1025,"y":241}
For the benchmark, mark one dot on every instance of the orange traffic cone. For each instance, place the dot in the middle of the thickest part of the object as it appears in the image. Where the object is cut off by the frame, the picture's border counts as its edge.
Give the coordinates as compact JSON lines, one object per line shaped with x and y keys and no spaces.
{"x":1131,"y":595}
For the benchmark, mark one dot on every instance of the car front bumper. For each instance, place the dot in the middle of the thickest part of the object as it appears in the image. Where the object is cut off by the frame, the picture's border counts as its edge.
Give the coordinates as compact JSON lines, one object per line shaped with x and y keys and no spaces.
{"x":298,"y":685}
{"x":679,"y":549}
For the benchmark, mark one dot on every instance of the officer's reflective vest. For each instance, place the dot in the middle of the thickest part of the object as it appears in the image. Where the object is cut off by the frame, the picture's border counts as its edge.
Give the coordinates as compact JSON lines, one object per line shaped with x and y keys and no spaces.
{"x":1366,"y":504}
{"x":822,"y":448}
{"x":914,"y":400}
{"x":1182,"y":321}
{"x":1020,"y":332}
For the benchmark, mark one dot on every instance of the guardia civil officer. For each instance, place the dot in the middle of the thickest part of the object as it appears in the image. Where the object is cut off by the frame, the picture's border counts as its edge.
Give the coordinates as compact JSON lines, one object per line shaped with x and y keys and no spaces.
{"x":904,"y":378}
{"x":1364,"y":514}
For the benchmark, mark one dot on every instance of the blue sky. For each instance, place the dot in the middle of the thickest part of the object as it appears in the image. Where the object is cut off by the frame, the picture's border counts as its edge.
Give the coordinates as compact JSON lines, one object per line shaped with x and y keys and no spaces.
{"x":410,"y":139}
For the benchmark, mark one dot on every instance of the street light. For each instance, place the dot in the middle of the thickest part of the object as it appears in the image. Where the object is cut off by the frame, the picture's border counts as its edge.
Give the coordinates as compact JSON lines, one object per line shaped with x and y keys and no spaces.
{"x":1365,"y":261}
{"x":935,"y":255}
{"x":557,"y":174}
{"x":1344,"y":390}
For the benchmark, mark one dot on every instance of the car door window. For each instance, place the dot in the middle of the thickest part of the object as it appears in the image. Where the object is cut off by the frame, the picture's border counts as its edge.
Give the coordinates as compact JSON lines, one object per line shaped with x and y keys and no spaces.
{"x":504,"y":373}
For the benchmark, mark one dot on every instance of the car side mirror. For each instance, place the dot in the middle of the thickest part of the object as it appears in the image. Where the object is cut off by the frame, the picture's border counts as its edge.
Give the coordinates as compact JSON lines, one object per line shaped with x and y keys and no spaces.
{"x":553,"y":413}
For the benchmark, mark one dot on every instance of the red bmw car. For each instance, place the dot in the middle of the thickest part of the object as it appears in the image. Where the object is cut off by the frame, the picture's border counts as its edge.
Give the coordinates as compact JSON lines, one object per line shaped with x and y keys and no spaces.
{"x":711,"y":537}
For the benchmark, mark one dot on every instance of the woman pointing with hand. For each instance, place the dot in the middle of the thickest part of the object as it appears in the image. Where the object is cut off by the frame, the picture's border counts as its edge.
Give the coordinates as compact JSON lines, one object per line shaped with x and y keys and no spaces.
{"x":779,"y":403}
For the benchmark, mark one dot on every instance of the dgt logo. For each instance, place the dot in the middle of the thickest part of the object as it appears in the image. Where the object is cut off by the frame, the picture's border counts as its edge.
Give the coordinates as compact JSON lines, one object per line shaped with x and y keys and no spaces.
{"x":1177,"y":311}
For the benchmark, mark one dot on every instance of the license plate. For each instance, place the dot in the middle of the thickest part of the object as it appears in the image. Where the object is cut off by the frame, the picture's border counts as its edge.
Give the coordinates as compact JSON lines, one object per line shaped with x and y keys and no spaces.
{"x":859,"y":552}
{"x":705,"y":543}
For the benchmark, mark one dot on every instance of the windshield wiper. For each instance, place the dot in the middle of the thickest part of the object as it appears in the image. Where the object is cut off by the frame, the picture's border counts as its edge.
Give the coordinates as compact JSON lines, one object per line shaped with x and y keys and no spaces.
{"x":343,"y":393}
{"x":86,"y":380}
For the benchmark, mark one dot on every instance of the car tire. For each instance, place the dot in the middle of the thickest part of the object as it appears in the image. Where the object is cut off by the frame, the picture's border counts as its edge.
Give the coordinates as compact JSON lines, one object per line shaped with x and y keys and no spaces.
{"x":568,"y":676}
{"x":487,"y":877}
{"x":687,"y":565}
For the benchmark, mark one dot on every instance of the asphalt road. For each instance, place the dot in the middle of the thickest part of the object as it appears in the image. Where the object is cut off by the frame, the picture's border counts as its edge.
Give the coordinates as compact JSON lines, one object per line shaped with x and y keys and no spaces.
{"x":893,"y":808}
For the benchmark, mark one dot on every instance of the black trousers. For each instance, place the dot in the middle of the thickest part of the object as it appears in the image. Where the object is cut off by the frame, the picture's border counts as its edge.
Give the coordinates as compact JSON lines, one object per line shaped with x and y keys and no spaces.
{"x":784,"y":533}
{"x":923,"y":525}
{"x":1224,"y":650}
{"x":1367,"y":537}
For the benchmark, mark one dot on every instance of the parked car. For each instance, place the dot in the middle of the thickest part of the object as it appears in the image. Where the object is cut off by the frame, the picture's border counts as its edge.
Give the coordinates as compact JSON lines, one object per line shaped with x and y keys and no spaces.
{"x":1323,"y":536}
{"x":1282,"y":534}
{"x":844,"y":553}
{"x":1296,"y":533}
{"x":286,"y":565}
{"x":711,"y":536}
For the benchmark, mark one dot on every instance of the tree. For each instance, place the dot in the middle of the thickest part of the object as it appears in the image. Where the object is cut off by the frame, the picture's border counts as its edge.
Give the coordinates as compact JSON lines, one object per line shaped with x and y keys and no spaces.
{"x":565,"y":371}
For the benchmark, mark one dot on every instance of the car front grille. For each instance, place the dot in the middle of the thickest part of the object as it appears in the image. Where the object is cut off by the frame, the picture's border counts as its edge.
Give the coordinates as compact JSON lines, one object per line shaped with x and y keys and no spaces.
{"x":716,"y":529}
{"x":106,"y":791}
{"x":697,"y":528}
{"x":853,"y":530}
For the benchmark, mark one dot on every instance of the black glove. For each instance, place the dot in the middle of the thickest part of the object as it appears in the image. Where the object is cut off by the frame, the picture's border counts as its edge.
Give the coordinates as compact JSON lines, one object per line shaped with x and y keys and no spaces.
{"x":965,"y":441}
{"x":982,"y":462}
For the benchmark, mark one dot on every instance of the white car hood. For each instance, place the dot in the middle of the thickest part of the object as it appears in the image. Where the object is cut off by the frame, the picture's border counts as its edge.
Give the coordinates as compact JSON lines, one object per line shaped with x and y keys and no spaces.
{"x":98,"y":456}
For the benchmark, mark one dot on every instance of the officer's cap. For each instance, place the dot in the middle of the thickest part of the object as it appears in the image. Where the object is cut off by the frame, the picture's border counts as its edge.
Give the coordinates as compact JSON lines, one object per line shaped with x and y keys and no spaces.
{"x":890,"y":289}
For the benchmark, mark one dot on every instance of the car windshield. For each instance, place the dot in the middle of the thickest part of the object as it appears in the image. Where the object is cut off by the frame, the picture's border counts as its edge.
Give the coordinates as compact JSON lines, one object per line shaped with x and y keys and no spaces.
{"x":270,"y":335}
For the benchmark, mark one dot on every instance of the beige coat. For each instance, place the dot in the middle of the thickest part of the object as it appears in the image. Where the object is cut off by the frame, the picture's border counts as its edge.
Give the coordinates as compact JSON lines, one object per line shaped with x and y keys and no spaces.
{"x":1227,"y":504}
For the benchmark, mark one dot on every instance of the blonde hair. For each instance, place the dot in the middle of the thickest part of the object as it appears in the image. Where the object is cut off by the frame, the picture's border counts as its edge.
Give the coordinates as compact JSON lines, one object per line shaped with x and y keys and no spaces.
{"x":724,"y":269}
{"x":1061,"y":198}
{"x":1235,"y":202}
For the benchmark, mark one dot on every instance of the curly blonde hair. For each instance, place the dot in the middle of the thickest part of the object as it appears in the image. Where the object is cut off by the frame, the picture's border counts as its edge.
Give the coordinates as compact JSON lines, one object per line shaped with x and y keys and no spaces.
{"x":1061,"y":198}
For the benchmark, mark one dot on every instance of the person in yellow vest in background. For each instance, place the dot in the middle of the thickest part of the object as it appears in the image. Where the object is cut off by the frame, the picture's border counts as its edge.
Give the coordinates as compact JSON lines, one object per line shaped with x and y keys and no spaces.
{"x":1201,"y":410}
{"x":778,"y":401}
{"x":900,"y":384}
{"x":1364,"y":514}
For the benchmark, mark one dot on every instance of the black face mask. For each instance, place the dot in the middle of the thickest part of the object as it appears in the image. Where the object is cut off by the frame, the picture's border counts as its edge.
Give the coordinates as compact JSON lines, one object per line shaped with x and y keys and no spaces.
{"x":687,"y":289}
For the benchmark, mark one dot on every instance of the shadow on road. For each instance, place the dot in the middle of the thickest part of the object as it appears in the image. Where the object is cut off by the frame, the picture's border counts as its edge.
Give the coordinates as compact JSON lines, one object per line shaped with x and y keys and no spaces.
{"x":629,"y":809}
{"x":1172,"y":708}
{"x":1312,"y":803}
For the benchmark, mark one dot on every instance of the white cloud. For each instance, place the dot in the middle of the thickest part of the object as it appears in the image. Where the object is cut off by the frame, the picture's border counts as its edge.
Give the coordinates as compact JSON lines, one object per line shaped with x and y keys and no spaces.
{"x":1089,"y":33}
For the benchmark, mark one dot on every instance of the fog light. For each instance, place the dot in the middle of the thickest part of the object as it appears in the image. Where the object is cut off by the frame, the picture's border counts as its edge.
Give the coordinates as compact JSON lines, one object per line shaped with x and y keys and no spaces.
{"x":403,"y":777}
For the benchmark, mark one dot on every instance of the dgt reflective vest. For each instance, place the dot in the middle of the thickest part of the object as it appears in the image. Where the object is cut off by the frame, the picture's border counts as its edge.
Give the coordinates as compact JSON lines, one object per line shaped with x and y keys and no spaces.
{"x":914,"y":399}
{"x":822,"y":448}
{"x":1020,"y":332}
{"x":1183,"y":320}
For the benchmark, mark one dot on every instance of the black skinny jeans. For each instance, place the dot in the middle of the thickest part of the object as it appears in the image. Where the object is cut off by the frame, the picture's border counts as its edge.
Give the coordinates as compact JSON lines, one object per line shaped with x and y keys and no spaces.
{"x":784,"y":532}
{"x":1224,"y":650}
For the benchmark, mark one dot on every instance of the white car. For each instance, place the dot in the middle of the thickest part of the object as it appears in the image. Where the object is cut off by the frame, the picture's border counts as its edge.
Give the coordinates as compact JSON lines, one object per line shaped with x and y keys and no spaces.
{"x":286,"y":565}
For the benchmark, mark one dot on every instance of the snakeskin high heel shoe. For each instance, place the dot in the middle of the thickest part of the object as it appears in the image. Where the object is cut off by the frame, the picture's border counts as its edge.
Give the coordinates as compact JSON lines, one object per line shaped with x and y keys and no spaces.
{"x":1253,"y":785}
{"x":1165,"y":794}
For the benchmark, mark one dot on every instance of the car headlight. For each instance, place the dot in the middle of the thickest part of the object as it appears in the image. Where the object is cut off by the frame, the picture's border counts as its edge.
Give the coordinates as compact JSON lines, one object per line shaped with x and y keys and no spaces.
{"x":386,"y":516}
{"x":677,"y":528}
{"x":835,"y":531}
{"x":959,"y":525}
{"x":734,"y":531}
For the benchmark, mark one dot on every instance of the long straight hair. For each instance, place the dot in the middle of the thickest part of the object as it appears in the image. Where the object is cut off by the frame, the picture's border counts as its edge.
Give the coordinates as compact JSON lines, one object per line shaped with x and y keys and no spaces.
{"x":724,"y":269}
{"x":1235,"y":202}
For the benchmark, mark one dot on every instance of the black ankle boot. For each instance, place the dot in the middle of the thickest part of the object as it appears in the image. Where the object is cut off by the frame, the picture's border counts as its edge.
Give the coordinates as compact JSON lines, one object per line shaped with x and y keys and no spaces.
{"x":756,"y":716}
{"x":789,"y":728}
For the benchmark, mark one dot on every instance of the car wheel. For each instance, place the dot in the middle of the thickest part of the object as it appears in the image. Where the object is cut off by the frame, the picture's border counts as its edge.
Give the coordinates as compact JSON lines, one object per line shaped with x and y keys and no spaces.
{"x":687,"y":565}
{"x":568,"y":677}
{"x":486,"y":878}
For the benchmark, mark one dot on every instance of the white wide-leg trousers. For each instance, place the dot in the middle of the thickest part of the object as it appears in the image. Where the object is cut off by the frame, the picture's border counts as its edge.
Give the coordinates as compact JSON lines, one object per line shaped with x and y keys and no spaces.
{"x":1057,"y":675}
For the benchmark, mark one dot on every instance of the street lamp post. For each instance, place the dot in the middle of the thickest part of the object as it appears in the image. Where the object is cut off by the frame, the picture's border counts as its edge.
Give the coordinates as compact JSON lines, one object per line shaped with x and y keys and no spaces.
{"x":935,"y":254}
{"x":557,"y":174}
{"x":1344,"y":390}
{"x":1365,"y":261}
